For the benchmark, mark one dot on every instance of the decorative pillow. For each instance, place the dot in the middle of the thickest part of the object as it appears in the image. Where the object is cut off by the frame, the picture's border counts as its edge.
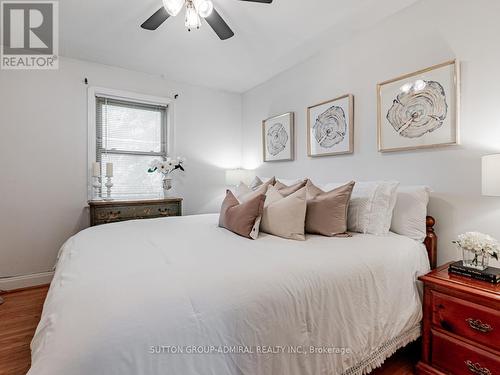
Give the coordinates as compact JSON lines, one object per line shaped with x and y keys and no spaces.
{"x":244,"y":192}
{"x":371,"y":206}
{"x":327,"y":211}
{"x":240,"y":218}
{"x":410,"y":212}
{"x":284,"y":216}
{"x":287,"y":190}
{"x":289,"y":182}
{"x":248,"y":194}
{"x":257,"y":182}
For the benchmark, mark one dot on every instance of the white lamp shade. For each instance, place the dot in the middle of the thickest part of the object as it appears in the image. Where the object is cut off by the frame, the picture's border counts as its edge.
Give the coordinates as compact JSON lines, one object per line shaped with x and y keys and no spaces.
{"x":491,"y":175}
{"x":235,"y":176}
{"x":173,"y":7}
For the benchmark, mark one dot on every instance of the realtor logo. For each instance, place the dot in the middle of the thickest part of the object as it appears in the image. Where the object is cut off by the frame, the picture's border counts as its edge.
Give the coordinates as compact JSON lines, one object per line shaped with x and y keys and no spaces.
{"x":29,"y":35}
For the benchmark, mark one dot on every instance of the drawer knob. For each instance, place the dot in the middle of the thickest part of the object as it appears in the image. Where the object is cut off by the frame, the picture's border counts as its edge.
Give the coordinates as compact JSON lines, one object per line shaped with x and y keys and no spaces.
{"x":476,"y":368}
{"x":478,"y":325}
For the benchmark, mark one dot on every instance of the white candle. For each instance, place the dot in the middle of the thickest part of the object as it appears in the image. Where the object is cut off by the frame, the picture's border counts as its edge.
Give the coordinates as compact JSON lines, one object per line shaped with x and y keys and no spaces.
{"x":96,"y":170}
{"x":109,"y":169}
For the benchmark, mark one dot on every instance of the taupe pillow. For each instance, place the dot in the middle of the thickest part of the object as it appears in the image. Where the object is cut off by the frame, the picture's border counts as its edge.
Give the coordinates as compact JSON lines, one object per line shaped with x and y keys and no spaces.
{"x":248,"y":194}
{"x":241,"y":218}
{"x":327,"y":211}
{"x":287,"y":190}
{"x":284,"y":216}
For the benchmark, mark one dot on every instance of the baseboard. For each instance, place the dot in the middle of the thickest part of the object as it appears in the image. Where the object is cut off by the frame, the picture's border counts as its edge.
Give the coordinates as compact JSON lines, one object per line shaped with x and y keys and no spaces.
{"x":26,"y":281}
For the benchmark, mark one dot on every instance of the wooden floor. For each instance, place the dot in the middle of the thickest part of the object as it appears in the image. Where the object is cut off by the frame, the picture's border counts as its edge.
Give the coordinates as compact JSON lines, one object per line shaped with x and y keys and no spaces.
{"x":20,"y":313}
{"x":19,"y":316}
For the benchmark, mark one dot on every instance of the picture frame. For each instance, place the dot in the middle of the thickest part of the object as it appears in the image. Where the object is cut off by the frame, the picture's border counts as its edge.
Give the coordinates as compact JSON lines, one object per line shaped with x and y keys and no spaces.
{"x":330,"y":127}
{"x":419,"y":110}
{"x":278,"y":138}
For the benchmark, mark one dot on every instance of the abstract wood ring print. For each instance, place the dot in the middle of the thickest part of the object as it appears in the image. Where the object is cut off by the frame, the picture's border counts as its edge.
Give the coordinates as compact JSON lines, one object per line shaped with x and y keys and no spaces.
{"x":278,"y":138}
{"x":419,"y":110}
{"x":330,"y":127}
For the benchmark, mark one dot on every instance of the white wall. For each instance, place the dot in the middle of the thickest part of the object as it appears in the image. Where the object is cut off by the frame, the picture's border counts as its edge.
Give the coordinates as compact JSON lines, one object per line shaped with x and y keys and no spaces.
{"x":427,"y":33}
{"x":43,"y":153}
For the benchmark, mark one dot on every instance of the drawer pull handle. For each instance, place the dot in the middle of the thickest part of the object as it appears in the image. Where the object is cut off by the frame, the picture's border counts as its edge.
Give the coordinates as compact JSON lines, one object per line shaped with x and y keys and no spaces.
{"x":476,"y":368}
{"x":479,"y":325}
{"x":110,"y":215}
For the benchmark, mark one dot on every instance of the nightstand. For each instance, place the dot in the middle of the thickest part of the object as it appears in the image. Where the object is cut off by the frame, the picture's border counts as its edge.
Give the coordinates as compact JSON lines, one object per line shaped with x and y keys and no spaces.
{"x":103,"y":212}
{"x":461,"y":327}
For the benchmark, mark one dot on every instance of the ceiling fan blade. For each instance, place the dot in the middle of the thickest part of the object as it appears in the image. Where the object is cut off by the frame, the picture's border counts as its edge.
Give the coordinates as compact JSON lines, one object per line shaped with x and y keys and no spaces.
{"x":220,"y":26}
{"x":260,"y":1}
{"x":153,"y":22}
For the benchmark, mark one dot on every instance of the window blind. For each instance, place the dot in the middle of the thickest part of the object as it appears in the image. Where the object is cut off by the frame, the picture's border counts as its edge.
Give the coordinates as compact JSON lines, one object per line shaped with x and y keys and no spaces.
{"x":131,"y":135}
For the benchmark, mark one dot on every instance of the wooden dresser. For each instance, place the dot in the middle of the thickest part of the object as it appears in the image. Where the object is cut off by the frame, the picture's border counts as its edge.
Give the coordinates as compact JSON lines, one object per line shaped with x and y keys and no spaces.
{"x":103,"y":212}
{"x":461,"y":326}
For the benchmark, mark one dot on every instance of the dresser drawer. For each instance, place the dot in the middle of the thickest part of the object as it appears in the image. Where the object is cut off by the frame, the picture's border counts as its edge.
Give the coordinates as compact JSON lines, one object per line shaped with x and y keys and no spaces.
{"x":110,"y":214}
{"x":458,"y":358}
{"x":466,"y":319}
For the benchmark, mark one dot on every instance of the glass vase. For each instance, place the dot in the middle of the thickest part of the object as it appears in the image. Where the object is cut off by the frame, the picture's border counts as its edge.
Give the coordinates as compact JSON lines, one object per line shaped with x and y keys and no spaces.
{"x":167,"y":187}
{"x":478,"y":261}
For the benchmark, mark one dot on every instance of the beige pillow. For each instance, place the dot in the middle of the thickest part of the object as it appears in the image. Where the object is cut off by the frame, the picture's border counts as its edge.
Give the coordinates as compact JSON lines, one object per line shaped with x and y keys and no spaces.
{"x":241,"y":218}
{"x":244,"y":192}
{"x":284,"y":216}
{"x":287,"y":190}
{"x":327,"y":211}
{"x":258,"y":182}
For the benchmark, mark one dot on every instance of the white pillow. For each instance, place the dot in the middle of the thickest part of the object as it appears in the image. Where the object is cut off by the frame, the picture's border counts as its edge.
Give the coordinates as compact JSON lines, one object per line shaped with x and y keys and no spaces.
{"x":410,"y":212}
{"x":371,"y":206}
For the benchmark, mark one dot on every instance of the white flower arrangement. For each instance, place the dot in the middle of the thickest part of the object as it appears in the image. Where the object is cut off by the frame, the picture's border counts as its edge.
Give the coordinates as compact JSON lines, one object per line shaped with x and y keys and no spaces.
{"x":166,"y":167}
{"x":478,"y":243}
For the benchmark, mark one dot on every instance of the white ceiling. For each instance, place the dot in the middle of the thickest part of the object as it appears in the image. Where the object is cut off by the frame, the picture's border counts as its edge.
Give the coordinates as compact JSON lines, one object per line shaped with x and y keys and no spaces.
{"x":269,"y":38}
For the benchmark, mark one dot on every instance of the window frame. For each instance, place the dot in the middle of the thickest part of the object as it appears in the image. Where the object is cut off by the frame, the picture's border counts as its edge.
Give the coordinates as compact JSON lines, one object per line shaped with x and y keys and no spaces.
{"x":95,"y":92}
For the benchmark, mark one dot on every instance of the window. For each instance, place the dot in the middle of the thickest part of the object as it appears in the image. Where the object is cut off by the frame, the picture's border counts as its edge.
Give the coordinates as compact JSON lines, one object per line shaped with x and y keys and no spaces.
{"x":130,"y":135}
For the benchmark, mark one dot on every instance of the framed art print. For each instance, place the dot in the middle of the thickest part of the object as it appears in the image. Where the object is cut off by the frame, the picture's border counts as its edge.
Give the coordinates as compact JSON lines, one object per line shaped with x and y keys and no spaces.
{"x":278,"y":137}
{"x":419,"y":110}
{"x":330,"y":127}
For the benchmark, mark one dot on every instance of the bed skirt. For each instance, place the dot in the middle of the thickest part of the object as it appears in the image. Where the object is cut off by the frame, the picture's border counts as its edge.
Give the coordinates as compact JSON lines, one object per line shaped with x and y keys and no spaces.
{"x":378,"y":357}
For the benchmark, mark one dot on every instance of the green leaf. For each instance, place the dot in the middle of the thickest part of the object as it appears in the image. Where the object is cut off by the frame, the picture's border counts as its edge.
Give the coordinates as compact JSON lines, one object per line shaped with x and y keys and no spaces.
{"x":151,"y":170}
{"x":495,"y":255}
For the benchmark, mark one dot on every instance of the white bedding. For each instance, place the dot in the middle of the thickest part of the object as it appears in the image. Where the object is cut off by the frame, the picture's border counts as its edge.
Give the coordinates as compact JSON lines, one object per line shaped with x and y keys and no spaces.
{"x":124,"y":290}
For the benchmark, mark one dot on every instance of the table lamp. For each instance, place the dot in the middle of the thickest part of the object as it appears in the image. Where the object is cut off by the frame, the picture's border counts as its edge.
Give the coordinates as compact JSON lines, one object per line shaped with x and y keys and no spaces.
{"x":235,"y":176}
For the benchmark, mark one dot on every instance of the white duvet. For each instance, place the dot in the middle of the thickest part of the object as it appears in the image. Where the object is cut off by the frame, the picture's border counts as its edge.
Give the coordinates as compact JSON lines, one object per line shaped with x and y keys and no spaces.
{"x":182,"y":296}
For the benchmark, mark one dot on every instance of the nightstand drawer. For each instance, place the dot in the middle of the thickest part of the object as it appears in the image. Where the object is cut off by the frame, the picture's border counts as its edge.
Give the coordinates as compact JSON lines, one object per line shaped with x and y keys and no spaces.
{"x":114,"y":211}
{"x":459,"y":358}
{"x":135,"y":212}
{"x":466,"y":319}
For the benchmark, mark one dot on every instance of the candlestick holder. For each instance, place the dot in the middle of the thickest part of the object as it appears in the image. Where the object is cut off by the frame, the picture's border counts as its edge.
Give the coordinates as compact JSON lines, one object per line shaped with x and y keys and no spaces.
{"x":97,"y":188}
{"x":108,"y":185}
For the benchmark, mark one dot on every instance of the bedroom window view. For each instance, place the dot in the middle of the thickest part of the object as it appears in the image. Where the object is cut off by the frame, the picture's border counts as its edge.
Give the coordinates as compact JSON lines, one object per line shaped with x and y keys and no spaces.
{"x":249,"y":187}
{"x":130,"y":136}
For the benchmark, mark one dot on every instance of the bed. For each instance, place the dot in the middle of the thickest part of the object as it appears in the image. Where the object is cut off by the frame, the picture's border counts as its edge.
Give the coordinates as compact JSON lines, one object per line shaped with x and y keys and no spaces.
{"x":182,"y":296}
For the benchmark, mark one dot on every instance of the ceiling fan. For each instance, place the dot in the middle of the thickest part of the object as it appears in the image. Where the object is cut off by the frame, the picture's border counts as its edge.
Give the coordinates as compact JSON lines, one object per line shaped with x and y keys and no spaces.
{"x":195,"y":11}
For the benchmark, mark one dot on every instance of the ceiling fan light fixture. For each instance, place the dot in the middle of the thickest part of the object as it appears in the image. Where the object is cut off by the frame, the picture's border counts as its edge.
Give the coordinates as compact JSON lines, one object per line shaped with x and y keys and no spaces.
{"x":173,"y":7}
{"x":204,"y":7}
{"x":192,"y":18}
